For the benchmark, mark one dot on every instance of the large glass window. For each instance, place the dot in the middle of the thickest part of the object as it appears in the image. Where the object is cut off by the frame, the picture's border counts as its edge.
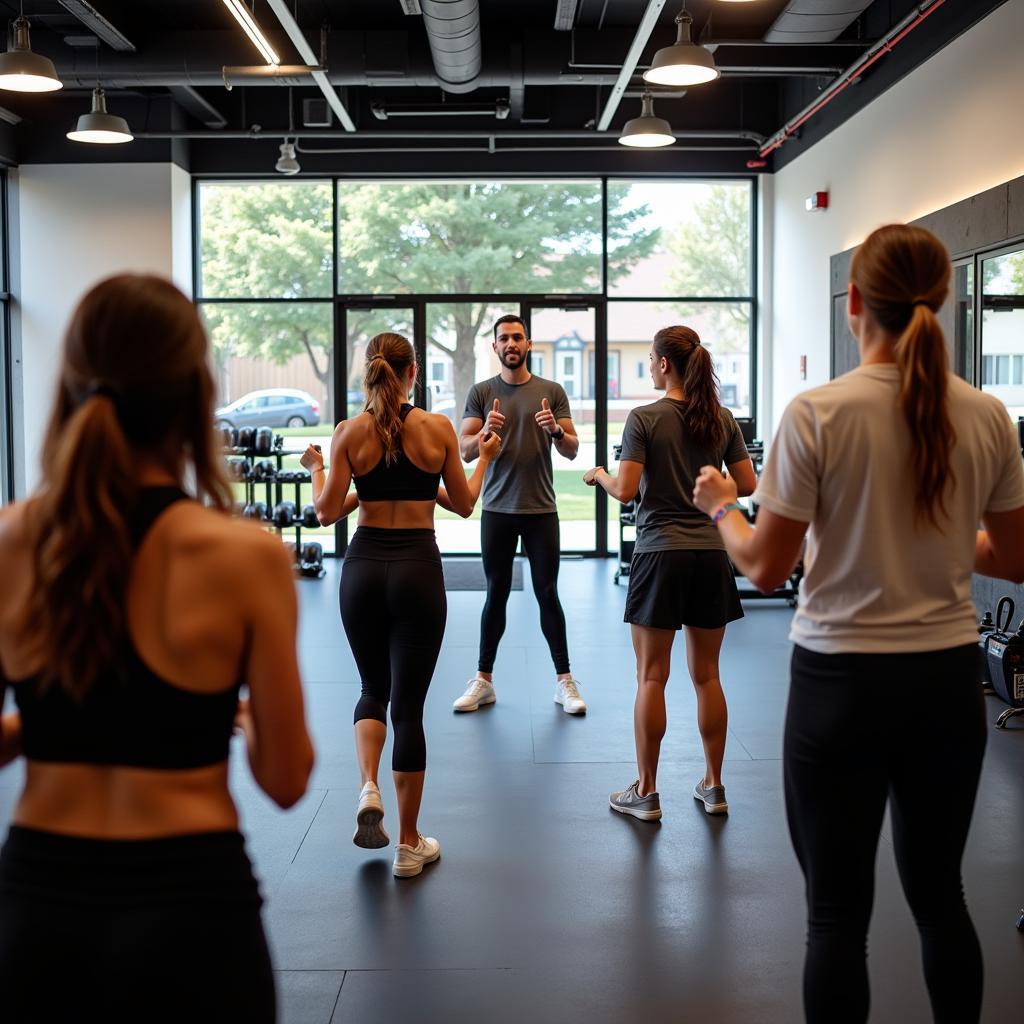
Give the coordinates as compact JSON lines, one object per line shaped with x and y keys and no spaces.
{"x":1002,"y":329}
{"x":469,"y":238}
{"x":295,"y":277}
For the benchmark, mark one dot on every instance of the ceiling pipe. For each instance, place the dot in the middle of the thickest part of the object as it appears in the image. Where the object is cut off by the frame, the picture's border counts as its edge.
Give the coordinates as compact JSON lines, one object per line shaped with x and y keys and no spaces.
{"x":636,"y":49}
{"x":289,"y":24}
{"x":885,"y":45}
{"x":453,"y":31}
{"x":257,"y":132}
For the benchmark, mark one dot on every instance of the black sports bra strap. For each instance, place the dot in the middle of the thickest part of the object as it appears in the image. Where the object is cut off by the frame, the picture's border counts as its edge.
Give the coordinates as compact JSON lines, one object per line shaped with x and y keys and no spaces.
{"x":153,"y":502}
{"x":407,"y":408}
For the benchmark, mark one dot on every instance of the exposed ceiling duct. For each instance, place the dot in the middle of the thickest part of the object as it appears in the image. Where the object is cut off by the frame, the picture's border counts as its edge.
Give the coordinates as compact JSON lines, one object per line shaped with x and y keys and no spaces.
{"x":453,"y":29}
{"x":815,"y":21}
{"x":95,"y":22}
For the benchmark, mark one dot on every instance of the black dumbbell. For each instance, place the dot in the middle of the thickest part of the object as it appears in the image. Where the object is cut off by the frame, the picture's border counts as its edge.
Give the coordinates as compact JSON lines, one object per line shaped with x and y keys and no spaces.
{"x":264,"y":470}
{"x":225,"y":437}
{"x":301,"y":476}
{"x":234,"y":437}
{"x":246,"y":437}
{"x":238,"y":469}
{"x":286,"y":476}
{"x":264,"y":441}
{"x":309,"y":518}
{"x":255,"y":510}
{"x":311,"y":562}
{"x":284,"y":513}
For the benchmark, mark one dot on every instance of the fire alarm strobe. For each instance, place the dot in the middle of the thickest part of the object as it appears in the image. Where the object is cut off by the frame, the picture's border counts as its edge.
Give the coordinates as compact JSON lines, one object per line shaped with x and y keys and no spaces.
{"x":817,"y":201}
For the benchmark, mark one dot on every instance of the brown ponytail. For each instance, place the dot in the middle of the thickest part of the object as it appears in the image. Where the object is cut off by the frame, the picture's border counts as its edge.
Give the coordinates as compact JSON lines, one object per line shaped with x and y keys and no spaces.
{"x":902,"y":273}
{"x":388,"y":357}
{"x":692,"y":363}
{"x":134,"y":379}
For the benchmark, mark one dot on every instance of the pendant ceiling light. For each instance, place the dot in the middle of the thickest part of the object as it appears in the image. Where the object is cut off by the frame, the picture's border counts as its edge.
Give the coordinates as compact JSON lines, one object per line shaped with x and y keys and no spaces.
{"x":684,"y":62}
{"x":21,"y":70}
{"x":647,"y":131}
{"x":100,"y":127}
{"x":286,"y":163}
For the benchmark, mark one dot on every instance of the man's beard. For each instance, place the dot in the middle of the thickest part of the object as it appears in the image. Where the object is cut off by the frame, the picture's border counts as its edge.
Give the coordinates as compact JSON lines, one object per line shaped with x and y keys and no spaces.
{"x":517,"y":360}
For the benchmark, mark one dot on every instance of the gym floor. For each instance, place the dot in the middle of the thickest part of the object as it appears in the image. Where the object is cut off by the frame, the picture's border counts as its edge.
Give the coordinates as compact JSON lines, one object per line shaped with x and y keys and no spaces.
{"x":547,"y":906}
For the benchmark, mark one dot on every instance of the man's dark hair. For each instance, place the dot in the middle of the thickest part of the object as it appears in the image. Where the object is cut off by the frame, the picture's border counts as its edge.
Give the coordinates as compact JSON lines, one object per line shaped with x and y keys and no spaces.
{"x":508,"y":318}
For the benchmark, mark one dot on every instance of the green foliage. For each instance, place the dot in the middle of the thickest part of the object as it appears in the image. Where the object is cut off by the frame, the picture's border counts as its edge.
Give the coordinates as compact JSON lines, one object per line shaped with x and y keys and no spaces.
{"x":712,"y":257}
{"x":274,"y":240}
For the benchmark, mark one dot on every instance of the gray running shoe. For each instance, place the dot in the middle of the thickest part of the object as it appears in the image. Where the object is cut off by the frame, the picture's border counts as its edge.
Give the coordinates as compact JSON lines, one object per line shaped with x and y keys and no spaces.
{"x":629,"y":801}
{"x":712,"y":797}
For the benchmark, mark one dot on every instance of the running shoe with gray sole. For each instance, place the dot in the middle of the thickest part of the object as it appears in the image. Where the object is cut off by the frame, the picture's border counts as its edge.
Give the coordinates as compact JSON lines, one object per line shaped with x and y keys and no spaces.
{"x":369,"y":833}
{"x":629,"y":801}
{"x":712,"y":797}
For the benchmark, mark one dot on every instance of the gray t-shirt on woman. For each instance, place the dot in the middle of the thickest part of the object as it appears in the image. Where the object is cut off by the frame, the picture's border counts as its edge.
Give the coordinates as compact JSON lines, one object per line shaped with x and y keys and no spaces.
{"x":667,"y":519}
{"x":519,"y":480}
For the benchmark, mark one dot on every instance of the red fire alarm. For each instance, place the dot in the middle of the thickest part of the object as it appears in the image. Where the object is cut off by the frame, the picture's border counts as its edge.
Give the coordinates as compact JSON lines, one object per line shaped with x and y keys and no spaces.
{"x":817,"y":201}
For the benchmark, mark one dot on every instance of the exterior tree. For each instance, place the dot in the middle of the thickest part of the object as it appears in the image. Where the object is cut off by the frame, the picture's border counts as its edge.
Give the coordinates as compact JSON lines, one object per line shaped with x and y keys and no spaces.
{"x":712,"y":257}
{"x":479,"y":238}
{"x":270,"y":241}
{"x":475,"y":238}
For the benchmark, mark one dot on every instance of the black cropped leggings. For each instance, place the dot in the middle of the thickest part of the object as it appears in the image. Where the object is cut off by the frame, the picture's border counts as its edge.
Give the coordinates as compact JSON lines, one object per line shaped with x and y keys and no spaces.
{"x":863,"y":729}
{"x":499,"y":536}
{"x":393,"y":607}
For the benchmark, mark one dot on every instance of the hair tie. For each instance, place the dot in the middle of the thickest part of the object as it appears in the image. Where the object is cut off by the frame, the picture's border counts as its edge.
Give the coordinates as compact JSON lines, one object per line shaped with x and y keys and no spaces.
{"x":103,"y":390}
{"x":920,"y":302}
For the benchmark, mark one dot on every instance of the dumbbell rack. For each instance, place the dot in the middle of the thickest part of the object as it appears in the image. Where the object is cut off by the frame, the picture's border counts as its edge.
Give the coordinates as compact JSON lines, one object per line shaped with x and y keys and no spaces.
{"x":275,"y":493}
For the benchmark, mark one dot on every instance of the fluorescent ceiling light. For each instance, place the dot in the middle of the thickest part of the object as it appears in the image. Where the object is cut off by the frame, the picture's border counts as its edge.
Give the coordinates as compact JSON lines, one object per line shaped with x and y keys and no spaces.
{"x":647,"y":131}
{"x":99,"y":127}
{"x":684,"y":62}
{"x":244,"y":18}
{"x":21,"y":70}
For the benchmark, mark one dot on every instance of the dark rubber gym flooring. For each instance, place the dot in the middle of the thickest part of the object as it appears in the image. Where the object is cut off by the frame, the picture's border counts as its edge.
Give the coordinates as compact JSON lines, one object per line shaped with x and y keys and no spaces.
{"x":546,"y":906}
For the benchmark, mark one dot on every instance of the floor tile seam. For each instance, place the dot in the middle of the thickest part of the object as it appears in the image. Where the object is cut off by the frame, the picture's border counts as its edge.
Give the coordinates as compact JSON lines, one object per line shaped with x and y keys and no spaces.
{"x":423,"y":970}
{"x":337,"y":998}
{"x":734,"y":735}
{"x":316,"y":814}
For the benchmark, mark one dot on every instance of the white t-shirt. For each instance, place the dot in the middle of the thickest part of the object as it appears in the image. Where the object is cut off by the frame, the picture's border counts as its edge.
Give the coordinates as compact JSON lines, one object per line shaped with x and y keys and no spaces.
{"x":841,"y":462}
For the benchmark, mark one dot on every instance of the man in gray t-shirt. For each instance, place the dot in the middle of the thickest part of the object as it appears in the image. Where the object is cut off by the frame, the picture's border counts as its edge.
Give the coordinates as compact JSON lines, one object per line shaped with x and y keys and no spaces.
{"x":530,"y":415}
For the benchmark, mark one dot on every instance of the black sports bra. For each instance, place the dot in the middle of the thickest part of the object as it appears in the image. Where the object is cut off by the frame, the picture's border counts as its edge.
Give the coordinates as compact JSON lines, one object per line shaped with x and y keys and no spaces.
{"x":401,"y":481}
{"x":131,"y":716}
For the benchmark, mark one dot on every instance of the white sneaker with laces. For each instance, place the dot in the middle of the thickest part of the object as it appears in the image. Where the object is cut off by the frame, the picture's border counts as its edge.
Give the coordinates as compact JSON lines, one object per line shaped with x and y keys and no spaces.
{"x":568,"y":695}
{"x":369,"y":833}
{"x":478,"y":692}
{"x":409,"y":860}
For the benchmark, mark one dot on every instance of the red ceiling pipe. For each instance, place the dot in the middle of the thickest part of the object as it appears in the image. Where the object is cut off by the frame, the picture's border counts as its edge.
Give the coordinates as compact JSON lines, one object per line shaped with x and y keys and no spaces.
{"x":884,"y":45}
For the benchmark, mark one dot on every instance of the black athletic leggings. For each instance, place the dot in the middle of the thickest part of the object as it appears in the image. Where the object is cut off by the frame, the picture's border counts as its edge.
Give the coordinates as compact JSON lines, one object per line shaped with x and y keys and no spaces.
{"x":861,"y":729}
{"x":499,"y":536}
{"x":122,"y":931}
{"x":393,"y":607}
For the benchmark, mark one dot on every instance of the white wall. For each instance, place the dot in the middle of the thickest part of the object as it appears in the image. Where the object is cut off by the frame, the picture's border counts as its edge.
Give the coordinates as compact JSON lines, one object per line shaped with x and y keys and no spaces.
{"x":950,"y":129}
{"x":80,"y":223}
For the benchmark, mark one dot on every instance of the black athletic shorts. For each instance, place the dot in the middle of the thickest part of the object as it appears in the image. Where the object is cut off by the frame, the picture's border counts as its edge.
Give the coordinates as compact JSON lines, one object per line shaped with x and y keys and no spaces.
{"x":672,"y":589}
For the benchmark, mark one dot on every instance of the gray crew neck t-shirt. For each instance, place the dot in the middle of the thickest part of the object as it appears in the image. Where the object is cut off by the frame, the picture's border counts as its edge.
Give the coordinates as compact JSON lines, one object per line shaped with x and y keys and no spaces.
{"x":667,"y":519}
{"x":519,"y":480}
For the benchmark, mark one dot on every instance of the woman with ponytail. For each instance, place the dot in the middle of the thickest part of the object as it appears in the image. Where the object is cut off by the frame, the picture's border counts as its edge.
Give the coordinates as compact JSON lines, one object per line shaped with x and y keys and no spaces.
{"x":680,"y":577}
{"x":393,"y":603}
{"x":130,"y":616}
{"x":892,"y":466}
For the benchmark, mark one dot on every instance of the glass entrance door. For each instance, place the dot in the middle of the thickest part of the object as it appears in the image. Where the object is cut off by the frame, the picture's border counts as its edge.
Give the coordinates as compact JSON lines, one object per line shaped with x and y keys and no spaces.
{"x":565,"y":350}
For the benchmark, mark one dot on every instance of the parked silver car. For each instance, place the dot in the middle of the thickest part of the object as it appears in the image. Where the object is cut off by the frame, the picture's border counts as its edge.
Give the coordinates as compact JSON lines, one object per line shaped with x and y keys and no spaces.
{"x":271,"y":407}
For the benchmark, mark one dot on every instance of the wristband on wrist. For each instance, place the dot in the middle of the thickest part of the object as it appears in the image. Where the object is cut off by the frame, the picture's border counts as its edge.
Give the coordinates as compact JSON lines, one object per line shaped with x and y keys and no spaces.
{"x":722,"y":510}
{"x":560,"y":434}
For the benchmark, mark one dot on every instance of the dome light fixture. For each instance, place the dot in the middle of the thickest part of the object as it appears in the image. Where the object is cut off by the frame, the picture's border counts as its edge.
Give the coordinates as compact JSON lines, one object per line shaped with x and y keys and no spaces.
{"x":99,"y":127}
{"x":21,"y":70}
{"x":684,"y":62}
{"x":647,"y":131}
{"x":286,"y":162}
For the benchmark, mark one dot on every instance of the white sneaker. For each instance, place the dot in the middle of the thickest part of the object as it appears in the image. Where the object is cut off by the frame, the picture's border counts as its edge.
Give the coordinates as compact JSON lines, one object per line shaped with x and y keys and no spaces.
{"x":568,"y":695}
{"x":369,"y":833}
{"x":478,"y":691}
{"x":409,"y":860}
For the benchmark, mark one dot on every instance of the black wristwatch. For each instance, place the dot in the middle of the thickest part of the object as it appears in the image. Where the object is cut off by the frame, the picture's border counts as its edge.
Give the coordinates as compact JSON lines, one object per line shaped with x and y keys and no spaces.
{"x":560,"y":434}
